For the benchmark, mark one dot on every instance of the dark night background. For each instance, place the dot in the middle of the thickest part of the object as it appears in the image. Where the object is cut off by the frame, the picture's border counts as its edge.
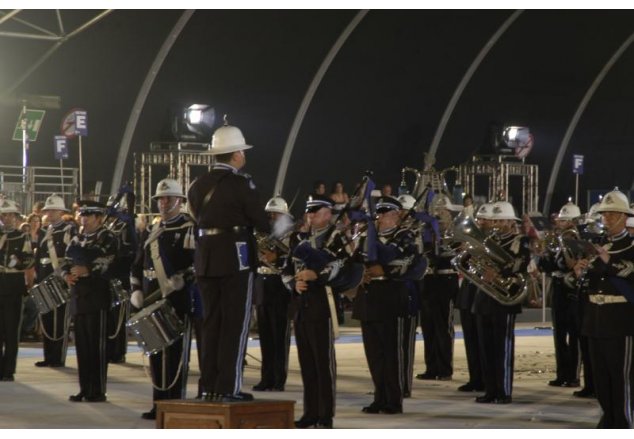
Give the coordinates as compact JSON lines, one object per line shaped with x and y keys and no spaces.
{"x":377,"y":108}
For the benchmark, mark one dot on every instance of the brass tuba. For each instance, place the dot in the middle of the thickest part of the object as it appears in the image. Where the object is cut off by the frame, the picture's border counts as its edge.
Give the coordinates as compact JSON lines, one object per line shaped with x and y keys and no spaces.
{"x":482,"y":252}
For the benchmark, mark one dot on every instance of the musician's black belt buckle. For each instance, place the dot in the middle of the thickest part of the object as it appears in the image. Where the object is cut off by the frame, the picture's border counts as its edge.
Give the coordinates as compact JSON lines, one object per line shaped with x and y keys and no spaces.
{"x":217,"y":231}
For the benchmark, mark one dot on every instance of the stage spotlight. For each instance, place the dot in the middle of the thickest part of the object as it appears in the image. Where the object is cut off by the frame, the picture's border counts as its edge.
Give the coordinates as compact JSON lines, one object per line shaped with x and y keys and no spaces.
{"x":516,"y":140}
{"x":194,"y":123}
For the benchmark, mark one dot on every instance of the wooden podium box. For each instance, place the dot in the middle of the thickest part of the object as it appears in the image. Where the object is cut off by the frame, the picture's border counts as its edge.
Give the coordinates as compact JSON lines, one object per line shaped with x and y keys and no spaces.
{"x":193,"y":413}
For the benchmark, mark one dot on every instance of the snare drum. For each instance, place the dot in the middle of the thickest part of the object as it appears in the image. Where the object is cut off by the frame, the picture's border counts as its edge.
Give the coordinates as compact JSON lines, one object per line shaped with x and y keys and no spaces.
{"x":156,"y":327}
{"x":118,"y":294}
{"x":50,"y":294}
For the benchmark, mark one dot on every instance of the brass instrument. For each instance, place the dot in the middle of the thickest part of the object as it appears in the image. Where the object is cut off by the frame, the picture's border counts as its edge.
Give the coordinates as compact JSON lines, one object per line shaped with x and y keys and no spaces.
{"x":268,"y":243}
{"x":418,"y":188}
{"x":551,"y":241}
{"x":483,"y":253}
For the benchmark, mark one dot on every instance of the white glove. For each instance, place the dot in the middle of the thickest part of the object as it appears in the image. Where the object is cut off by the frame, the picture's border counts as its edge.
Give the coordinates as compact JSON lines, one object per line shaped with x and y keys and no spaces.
{"x":136,"y":299}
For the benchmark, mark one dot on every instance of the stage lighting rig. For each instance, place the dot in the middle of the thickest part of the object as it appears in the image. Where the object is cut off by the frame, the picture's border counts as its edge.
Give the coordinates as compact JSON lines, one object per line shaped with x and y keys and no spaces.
{"x":194,"y":123}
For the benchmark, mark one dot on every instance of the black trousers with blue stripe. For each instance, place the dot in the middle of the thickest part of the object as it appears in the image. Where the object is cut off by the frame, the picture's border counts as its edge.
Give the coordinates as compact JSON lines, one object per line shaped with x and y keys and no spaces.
{"x":225,"y":330}
{"x":497,"y":352}
{"x":612,"y":368}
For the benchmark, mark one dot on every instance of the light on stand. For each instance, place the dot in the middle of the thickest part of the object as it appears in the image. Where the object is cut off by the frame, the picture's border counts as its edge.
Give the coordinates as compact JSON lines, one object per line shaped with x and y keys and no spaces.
{"x":193,"y":123}
{"x":194,"y":116}
{"x":519,"y":139}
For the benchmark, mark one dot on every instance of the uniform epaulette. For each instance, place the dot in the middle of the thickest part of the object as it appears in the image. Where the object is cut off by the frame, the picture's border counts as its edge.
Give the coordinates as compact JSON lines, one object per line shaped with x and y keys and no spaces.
{"x":248,"y":178}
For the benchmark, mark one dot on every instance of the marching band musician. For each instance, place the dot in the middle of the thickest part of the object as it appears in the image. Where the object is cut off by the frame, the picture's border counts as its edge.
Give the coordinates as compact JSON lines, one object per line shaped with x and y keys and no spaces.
{"x":496,"y":322}
{"x":120,"y":221}
{"x":608,"y":312}
{"x":162,"y":266}
{"x":592,"y":230}
{"x":16,"y":256}
{"x":383,"y":302}
{"x":564,"y":301}
{"x":88,"y":257}
{"x":50,"y":254}
{"x":271,"y":304}
{"x":464,"y":303}
{"x":438,"y":293}
{"x":410,"y":320}
{"x":314,"y":310}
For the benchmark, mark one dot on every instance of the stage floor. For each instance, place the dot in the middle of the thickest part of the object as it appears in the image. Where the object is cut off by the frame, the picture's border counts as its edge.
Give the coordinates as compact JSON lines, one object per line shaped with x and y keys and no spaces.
{"x":39,"y":396}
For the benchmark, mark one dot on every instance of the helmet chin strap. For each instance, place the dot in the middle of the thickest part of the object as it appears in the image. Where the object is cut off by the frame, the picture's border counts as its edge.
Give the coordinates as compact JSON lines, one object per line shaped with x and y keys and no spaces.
{"x":174,"y":206}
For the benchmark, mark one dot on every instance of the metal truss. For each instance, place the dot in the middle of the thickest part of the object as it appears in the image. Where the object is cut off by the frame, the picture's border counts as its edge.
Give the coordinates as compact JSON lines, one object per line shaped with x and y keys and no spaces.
{"x":12,"y":25}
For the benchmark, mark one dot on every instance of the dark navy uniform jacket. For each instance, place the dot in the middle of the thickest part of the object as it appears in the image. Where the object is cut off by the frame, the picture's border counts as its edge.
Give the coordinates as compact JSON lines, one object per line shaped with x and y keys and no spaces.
{"x":235,"y":202}
{"x":61,"y":233}
{"x":176,"y":248}
{"x":96,"y":251}
{"x":616,"y":278}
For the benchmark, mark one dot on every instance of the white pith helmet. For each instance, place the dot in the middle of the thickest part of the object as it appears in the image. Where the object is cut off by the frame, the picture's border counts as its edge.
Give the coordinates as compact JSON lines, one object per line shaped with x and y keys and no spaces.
{"x":407,"y":201}
{"x":54,"y":202}
{"x":569,"y":212}
{"x":168,"y":187}
{"x":485,"y":211}
{"x":615,"y":201}
{"x":277,"y":205}
{"x":227,"y":139}
{"x":503,"y":210}
{"x":9,"y":206}
{"x":442,"y":201}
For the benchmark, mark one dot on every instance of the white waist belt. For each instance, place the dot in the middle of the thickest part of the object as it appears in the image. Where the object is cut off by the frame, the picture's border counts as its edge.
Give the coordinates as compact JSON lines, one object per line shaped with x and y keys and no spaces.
{"x":601,"y":299}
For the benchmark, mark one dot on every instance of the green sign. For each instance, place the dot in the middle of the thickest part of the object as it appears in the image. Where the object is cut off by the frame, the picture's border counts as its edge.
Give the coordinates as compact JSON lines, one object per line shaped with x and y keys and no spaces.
{"x":33,"y":120}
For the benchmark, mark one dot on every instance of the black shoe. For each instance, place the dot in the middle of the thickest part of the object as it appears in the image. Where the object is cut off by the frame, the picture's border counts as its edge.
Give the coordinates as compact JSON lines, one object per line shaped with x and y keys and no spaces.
{"x":76,"y":398}
{"x":278,"y":388}
{"x":98,"y":398}
{"x":392,"y":410}
{"x":261,"y":387}
{"x":584,"y":393}
{"x":42,"y":363}
{"x":238,"y":397}
{"x":8,"y":378}
{"x":557,"y":383}
{"x":56,"y":365}
{"x":485,"y":399}
{"x":149,"y":415}
{"x":119,"y":360}
{"x":571,"y":384}
{"x":305,"y":422}
{"x":407,"y":394}
{"x":426,"y":376}
{"x":444,"y":377}
{"x":324,"y":423}
{"x":372,"y":408}
{"x":470,"y":387}
{"x":504,"y":400}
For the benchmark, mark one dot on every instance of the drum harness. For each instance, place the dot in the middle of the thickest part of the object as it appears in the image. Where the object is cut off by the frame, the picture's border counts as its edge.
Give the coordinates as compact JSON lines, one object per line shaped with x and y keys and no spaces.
{"x":164,"y":286}
{"x":52,"y":253}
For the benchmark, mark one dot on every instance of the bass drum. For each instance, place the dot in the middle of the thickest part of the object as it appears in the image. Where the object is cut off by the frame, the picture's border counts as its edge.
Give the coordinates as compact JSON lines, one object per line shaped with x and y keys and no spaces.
{"x":156,"y":327}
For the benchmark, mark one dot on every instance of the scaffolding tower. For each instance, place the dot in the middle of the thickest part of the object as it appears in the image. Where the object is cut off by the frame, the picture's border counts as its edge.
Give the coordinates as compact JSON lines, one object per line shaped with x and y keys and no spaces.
{"x":498,"y":172}
{"x":181,"y":161}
